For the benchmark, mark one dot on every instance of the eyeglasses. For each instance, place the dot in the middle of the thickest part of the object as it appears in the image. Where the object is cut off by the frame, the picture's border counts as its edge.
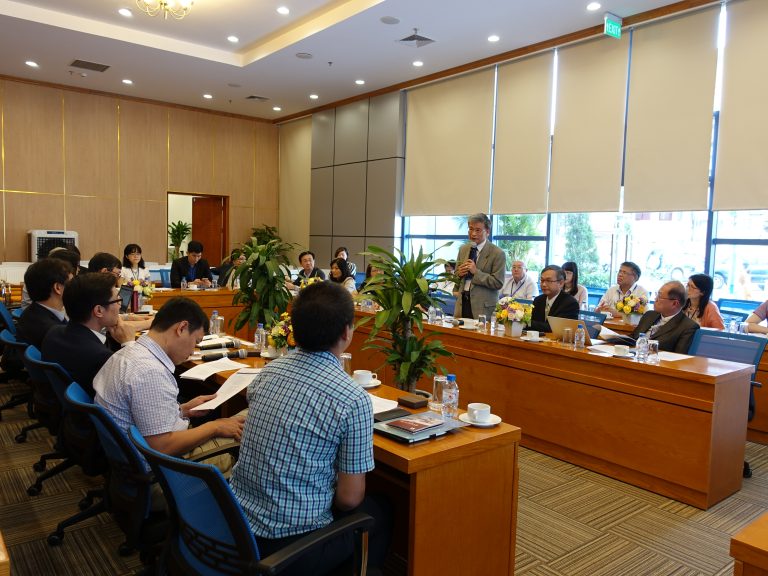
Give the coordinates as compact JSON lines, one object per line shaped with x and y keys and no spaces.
{"x":477,"y":230}
{"x":548,"y":281}
{"x":115,"y":301}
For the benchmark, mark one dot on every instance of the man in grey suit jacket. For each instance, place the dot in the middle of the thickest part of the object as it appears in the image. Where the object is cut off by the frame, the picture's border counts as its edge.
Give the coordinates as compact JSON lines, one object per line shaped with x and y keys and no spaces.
{"x":481,"y":267}
{"x":666,"y":322}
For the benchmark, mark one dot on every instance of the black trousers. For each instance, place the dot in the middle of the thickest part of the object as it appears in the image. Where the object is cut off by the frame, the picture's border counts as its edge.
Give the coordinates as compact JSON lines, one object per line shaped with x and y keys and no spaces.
{"x":336,"y":556}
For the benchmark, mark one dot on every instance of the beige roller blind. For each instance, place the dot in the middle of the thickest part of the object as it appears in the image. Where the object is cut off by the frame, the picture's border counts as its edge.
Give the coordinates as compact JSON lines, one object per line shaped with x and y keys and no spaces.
{"x":741,"y":180}
{"x":522,"y":136}
{"x":589,"y":126}
{"x":669,"y":119}
{"x":448,"y":146}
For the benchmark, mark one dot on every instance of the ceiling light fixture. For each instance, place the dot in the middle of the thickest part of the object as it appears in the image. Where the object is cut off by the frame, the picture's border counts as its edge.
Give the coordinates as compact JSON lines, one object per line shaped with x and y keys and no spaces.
{"x":208,"y":96}
{"x":32,"y":64}
{"x":284,"y":10}
{"x":233,"y":39}
{"x":418,"y":63}
{"x":125,"y":12}
{"x":313,"y":96}
{"x":128,"y":81}
{"x":592,"y":6}
{"x":359,"y":82}
{"x":176,"y":8}
{"x":276,"y":108}
{"x":493,"y":38}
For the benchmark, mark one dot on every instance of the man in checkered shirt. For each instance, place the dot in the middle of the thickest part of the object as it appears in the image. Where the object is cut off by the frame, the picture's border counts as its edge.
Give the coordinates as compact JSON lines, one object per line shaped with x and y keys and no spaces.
{"x":308,"y":438}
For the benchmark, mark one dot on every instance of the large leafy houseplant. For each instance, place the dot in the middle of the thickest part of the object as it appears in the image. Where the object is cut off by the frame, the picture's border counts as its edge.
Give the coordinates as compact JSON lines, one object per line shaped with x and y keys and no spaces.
{"x":402,"y":292}
{"x":178,"y":232}
{"x":262,"y":292}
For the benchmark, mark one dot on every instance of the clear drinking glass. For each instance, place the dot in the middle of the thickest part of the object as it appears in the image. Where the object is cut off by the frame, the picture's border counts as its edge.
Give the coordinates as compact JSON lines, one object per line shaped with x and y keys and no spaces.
{"x":438,"y":316}
{"x":653,"y":352}
{"x":567,"y":336}
{"x":481,"y":322}
{"x":744,"y":328}
{"x":346,"y":362}
{"x":436,"y":402}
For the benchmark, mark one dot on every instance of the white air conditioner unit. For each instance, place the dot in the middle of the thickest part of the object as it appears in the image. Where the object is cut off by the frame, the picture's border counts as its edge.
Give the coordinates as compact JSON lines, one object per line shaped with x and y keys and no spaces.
{"x":43,"y":241}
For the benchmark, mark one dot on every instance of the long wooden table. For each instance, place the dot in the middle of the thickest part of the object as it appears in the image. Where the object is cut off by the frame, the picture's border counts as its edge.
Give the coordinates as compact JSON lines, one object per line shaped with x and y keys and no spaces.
{"x":213,"y":299}
{"x":455,"y":497}
{"x":677,"y":429}
{"x":749,"y":548}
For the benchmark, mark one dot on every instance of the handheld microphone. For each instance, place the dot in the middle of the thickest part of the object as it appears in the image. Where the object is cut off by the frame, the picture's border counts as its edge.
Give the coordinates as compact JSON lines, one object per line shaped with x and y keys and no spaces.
{"x":233,"y":343}
{"x":242,"y":353}
{"x":457,"y":322}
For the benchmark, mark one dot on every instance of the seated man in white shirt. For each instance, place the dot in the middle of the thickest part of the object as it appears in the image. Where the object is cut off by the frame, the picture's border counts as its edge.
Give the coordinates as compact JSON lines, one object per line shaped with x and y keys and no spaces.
{"x":626,"y":284}
{"x":520,"y":286}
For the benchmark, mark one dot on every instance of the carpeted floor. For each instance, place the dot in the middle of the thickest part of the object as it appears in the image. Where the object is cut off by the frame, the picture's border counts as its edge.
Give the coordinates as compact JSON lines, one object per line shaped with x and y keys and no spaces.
{"x":571,"y":522}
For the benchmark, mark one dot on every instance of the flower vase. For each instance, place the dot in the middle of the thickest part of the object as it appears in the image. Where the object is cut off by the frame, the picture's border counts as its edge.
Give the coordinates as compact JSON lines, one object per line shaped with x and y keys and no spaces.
{"x":283,"y":351}
{"x":632,"y":319}
{"x":135,"y":305}
{"x":513,"y":329}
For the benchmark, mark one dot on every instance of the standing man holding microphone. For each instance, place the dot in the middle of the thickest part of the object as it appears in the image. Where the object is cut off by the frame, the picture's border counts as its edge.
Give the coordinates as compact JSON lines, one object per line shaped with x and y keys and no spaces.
{"x":481,"y":267}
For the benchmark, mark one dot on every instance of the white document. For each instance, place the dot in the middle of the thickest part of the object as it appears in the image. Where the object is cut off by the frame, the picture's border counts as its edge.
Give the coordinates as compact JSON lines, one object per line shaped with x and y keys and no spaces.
{"x":203,"y":371}
{"x":602,"y":349}
{"x":672,"y":356}
{"x":234,"y":385}
{"x":382,"y":404}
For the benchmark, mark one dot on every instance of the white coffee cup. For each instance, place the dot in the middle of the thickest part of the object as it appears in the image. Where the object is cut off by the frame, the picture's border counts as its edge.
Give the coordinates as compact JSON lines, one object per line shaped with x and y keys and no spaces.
{"x":533,"y":335}
{"x":364,"y":377}
{"x":479,"y":412}
{"x":621,"y":350}
{"x":147,"y":308}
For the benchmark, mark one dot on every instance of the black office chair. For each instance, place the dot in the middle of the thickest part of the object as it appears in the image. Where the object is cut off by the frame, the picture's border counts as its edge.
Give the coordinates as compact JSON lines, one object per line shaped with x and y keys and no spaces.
{"x":736,"y":348}
{"x":13,"y":352}
{"x":209,"y":533}
{"x":46,"y":406}
{"x":127,"y":495}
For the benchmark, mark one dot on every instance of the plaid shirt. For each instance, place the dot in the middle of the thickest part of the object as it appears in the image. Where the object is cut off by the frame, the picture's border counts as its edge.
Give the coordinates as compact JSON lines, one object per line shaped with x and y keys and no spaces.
{"x":306,"y":422}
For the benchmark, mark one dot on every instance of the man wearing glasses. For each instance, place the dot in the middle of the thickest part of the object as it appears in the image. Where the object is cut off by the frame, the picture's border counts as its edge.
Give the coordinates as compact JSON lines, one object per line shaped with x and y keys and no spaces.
{"x":552,"y":301}
{"x":93,"y":306}
{"x":626,"y":284}
{"x":665,"y":323}
{"x":481,"y":267}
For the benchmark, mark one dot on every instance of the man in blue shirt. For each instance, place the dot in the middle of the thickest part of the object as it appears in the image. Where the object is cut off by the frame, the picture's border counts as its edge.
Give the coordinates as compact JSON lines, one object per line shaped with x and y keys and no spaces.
{"x":308,"y":438}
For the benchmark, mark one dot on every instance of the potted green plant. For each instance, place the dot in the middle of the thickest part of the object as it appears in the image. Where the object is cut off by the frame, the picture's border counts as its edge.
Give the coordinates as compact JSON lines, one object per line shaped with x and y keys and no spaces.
{"x":402,"y":293}
{"x":178,"y":232}
{"x":262,"y":291}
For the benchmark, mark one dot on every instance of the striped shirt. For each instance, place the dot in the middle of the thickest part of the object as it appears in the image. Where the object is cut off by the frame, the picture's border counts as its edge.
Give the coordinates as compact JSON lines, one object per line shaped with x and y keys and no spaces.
{"x":306,"y":422}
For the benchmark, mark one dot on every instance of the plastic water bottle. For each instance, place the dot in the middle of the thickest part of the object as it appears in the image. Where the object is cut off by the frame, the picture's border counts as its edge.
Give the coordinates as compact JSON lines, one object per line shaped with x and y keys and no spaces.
{"x":579,"y":338}
{"x":641,"y":348}
{"x":431,"y":315}
{"x":214,"y":327}
{"x":260,"y":338}
{"x":183,"y":283}
{"x":450,"y":397}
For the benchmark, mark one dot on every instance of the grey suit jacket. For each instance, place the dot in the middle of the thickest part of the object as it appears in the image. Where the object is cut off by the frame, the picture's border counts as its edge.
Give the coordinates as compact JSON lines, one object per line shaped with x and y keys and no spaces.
{"x":675,"y":336}
{"x":484,"y":290}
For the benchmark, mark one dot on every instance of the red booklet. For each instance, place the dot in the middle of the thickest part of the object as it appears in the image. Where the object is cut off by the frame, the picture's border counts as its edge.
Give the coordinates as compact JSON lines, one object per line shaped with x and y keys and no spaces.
{"x":416,"y":423}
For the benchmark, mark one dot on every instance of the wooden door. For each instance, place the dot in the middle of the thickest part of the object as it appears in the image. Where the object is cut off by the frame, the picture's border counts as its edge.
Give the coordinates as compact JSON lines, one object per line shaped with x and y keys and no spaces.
{"x":209,"y":226}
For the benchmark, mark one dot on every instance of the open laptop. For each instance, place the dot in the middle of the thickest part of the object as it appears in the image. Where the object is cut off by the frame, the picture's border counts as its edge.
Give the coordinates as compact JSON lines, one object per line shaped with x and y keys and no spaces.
{"x":558,"y":325}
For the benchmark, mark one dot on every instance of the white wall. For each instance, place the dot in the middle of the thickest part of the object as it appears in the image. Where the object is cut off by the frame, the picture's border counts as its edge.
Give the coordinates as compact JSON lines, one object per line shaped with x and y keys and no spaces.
{"x":180,"y":208}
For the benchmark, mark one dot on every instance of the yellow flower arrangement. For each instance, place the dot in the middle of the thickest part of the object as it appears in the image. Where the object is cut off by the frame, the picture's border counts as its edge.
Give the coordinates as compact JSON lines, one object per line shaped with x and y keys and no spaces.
{"x":632,"y":304}
{"x":510,"y":310}
{"x":146,"y":289}
{"x":281,"y":334}
{"x":309,"y":281}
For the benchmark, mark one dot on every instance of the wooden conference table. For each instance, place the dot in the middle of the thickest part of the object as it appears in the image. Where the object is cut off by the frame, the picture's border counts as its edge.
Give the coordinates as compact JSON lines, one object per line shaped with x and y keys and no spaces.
{"x":212,"y":299}
{"x":455,"y":497}
{"x":677,"y":429}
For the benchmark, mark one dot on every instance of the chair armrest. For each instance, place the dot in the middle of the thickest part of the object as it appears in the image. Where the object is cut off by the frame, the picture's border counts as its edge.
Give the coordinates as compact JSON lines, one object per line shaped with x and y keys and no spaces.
{"x":280,"y":560}
{"x":233,"y":449}
{"x":756,"y":384}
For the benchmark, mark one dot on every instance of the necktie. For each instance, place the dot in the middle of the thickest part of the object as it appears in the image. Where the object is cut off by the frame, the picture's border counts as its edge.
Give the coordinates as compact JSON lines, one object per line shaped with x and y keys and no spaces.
{"x":654,"y":328}
{"x":546,"y":310}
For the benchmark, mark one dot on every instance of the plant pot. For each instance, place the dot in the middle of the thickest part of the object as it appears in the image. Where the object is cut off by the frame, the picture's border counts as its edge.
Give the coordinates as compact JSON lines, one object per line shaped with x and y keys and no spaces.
{"x":632,"y":319}
{"x":513,"y":329}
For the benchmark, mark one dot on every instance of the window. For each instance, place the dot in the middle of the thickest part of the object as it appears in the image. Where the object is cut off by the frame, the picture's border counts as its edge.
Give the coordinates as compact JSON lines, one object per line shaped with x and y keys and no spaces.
{"x":740,"y":255}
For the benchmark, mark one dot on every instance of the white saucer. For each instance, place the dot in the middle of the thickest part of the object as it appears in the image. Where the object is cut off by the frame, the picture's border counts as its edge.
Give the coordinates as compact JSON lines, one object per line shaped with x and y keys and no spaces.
{"x":494,"y":421}
{"x":630,"y":355}
{"x":529,"y":339}
{"x":464,"y":327}
{"x":373,"y":384}
{"x":268,"y":356}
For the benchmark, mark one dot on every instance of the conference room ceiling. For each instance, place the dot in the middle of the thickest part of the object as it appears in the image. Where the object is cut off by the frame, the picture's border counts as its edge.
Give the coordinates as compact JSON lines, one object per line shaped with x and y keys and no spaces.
{"x":179,"y":61}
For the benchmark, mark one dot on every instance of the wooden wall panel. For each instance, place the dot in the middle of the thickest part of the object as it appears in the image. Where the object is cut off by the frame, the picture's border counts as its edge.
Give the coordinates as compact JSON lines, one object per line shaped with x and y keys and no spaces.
{"x":235,"y":150}
{"x":240,"y":224}
{"x":143,"y":151}
{"x":30,"y":212}
{"x":191,"y":151}
{"x":267,"y":168}
{"x":33,"y":140}
{"x":90,"y":145}
{"x":145,"y":223}
{"x":82,"y":212}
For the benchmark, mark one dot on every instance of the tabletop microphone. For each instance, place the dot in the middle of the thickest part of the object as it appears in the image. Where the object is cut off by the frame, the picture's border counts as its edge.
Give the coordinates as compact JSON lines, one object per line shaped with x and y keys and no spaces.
{"x":233,"y":343}
{"x":457,"y":322}
{"x":242,"y":353}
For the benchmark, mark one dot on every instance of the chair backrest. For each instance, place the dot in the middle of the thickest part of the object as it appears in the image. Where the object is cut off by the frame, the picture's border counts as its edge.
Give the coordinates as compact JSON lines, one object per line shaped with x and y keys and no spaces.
{"x":59,"y":379}
{"x":48,"y":405}
{"x":598,"y":317}
{"x":735,"y":305}
{"x":727,"y":346}
{"x":7,"y":319}
{"x":523,"y":301}
{"x":165,"y":276}
{"x":210,"y":533}
{"x":9,"y":339}
{"x":34,"y":364}
{"x":730,"y":315}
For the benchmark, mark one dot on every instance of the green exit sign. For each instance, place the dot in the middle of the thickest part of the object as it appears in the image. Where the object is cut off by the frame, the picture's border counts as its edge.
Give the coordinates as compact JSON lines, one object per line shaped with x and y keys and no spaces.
{"x":612,"y":25}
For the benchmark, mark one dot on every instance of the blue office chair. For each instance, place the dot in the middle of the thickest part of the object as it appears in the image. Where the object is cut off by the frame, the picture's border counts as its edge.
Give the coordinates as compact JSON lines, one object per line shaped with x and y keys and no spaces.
{"x":13,"y":352}
{"x":127,"y":495}
{"x":522,"y":301}
{"x":165,"y":277}
{"x":6,"y":317}
{"x":597,"y":317}
{"x":46,"y":406}
{"x":735,"y":305}
{"x":209,"y":533}
{"x":17,"y":312}
{"x":735,"y":348}
{"x":731,"y":315}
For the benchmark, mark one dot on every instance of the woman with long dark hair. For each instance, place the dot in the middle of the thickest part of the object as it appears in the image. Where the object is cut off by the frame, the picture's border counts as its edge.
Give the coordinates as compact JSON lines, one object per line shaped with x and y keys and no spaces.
{"x":572,"y":285}
{"x":133,"y":265}
{"x":340,"y":274}
{"x":699,"y":306}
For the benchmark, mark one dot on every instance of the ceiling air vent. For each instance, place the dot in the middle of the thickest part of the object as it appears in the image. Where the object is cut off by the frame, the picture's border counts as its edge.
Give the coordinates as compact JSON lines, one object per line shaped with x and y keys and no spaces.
{"x":415,"y":40}
{"x":89,"y":65}
{"x":257,"y":98}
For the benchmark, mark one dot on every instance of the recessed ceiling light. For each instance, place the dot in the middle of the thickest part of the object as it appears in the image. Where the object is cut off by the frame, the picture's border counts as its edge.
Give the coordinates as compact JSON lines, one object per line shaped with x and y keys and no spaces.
{"x":125,"y":12}
{"x":313,"y":96}
{"x":127,"y":81}
{"x":389,"y":20}
{"x":233,"y":39}
{"x":276,"y":108}
{"x":359,"y":82}
{"x":31,"y":64}
{"x":284,"y":10}
{"x":304,"y":55}
{"x":418,"y":63}
{"x":207,"y":96}
{"x":592,"y":6}
{"x":493,"y":38}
